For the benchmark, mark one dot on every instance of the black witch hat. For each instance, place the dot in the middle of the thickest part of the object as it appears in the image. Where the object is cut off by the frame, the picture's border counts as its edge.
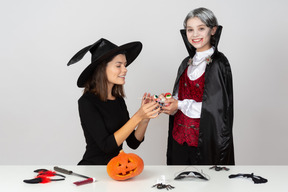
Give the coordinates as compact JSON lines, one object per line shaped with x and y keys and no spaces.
{"x":102,"y":50}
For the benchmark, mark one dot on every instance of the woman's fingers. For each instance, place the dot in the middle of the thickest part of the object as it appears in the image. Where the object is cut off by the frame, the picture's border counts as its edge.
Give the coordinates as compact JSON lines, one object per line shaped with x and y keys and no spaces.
{"x":146,"y":98}
{"x":154,"y":113}
{"x":151,"y":108}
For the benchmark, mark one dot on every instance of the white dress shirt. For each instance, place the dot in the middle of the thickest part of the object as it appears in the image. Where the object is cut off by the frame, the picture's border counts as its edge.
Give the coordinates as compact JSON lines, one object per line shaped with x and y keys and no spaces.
{"x":190,"y":107}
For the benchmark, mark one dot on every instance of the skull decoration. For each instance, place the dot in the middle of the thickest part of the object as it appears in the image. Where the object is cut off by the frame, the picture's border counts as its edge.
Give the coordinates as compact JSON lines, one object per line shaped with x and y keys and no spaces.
{"x":125,"y":166}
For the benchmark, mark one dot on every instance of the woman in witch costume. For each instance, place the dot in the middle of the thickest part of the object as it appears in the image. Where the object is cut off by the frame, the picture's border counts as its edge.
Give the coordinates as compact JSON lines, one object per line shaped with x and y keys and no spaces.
{"x":103,"y":113}
{"x":201,"y":110}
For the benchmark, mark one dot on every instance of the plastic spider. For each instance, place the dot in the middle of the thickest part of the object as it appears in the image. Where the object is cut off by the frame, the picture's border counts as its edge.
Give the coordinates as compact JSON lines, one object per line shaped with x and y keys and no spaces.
{"x":163,"y":186}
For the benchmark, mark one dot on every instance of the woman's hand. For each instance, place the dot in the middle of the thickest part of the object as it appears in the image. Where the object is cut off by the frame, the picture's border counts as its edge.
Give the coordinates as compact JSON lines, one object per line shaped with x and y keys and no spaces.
{"x":147,"y":98}
{"x":170,"y":107}
{"x":149,"y":108}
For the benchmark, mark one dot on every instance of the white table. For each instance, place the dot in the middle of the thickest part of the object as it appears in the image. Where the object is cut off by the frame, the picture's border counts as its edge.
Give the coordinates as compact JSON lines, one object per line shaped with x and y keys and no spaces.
{"x":11,"y":179}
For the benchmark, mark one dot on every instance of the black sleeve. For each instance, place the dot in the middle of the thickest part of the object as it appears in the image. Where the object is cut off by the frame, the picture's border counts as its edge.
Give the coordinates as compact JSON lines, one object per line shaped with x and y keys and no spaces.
{"x":94,"y":126}
{"x":227,"y":151}
{"x":131,"y":140}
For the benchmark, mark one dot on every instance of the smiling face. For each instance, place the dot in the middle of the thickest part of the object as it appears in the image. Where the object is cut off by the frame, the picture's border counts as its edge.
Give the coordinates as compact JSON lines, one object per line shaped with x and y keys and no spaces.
{"x":116,"y":70}
{"x":199,"y":34}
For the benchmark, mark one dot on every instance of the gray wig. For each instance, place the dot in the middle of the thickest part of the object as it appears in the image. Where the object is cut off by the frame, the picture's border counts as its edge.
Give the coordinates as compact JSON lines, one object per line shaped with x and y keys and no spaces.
{"x":205,"y":15}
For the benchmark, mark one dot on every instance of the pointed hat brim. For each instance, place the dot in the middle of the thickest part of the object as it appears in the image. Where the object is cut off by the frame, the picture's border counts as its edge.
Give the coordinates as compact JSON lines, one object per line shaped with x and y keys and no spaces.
{"x":132,"y":50}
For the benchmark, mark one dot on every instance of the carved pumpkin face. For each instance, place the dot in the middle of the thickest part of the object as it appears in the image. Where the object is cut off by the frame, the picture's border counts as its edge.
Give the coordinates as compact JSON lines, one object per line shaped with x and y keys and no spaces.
{"x":125,"y":166}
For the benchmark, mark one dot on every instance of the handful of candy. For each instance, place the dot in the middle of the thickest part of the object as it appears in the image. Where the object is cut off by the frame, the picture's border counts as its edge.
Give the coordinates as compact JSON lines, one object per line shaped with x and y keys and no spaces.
{"x":162,"y":98}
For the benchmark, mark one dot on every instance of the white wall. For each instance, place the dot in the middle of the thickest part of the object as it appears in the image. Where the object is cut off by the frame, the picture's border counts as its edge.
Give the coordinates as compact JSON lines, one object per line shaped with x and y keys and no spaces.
{"x":39,"y":121}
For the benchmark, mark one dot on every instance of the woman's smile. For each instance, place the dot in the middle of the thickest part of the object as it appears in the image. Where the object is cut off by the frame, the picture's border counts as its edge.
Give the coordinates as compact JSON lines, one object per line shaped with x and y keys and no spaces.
{"x":116,"y":70}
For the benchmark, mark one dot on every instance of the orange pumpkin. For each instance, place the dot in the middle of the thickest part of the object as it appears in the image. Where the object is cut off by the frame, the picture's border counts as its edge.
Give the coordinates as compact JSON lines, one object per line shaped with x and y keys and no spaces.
{"x":125,"y":166}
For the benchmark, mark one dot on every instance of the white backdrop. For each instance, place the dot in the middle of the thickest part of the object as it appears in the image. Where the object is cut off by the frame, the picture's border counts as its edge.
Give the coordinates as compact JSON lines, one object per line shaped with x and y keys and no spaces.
{"x":38,"y":107}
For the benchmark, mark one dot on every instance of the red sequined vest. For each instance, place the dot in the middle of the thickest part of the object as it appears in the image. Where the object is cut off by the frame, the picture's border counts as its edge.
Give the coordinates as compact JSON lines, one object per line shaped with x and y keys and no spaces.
{"x":186,"y":129}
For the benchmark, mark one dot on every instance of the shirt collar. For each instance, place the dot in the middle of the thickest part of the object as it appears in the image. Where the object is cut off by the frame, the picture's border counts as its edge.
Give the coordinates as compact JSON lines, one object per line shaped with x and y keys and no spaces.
{"x":199,"y":57}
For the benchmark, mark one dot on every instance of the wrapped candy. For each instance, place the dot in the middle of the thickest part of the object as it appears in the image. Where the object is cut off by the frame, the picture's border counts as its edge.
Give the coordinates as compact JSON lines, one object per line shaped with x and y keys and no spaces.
{"x":162,"y":98}
{"x":168,"y":95}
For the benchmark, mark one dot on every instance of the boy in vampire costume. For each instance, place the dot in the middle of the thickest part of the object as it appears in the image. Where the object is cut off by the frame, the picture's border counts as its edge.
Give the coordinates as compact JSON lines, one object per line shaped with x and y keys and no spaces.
{"x":203,"y":137}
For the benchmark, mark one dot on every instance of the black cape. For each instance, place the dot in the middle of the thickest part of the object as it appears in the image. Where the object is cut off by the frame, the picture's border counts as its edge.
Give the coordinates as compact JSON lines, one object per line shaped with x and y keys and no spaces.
{"x":216,"y":121}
